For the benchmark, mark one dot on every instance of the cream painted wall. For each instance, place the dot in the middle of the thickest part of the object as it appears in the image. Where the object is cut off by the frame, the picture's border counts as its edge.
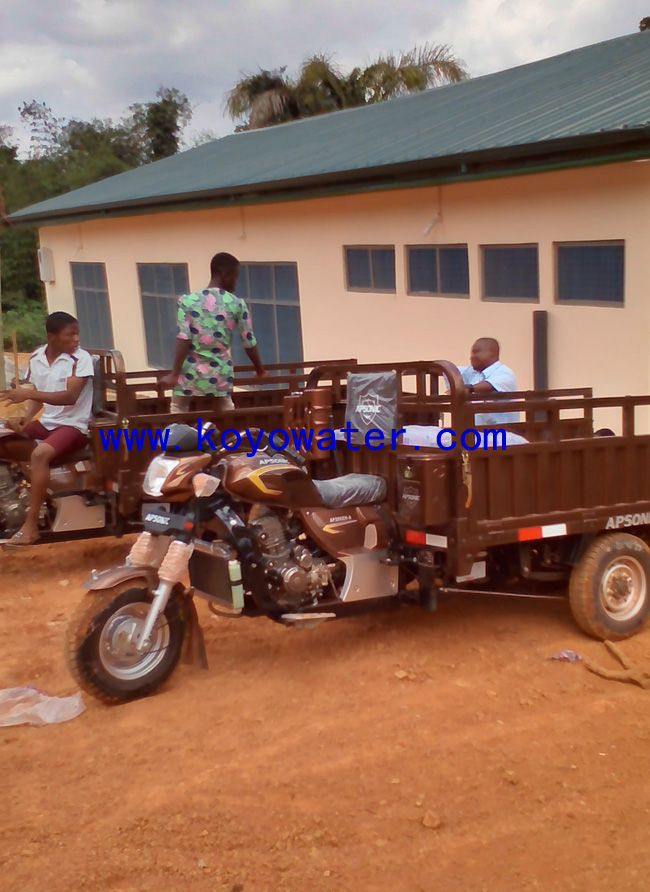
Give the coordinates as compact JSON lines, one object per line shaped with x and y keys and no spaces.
{"x":603,"y":347}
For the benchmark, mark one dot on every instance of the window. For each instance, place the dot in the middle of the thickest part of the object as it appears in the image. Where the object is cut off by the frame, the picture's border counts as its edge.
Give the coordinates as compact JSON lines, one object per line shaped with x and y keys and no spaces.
{"x":91,"y":301}
{"x":590,"y":272}
{"x":271,"y":294}
{"x":161,"y":284}
{"x":440,"y":270}
{"x":370,"y":269}
{"x":510,"y":272}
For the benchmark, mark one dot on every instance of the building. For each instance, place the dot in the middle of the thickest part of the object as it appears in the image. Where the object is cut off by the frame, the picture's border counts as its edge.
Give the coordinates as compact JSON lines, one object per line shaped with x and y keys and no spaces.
{"x":398,"y":231}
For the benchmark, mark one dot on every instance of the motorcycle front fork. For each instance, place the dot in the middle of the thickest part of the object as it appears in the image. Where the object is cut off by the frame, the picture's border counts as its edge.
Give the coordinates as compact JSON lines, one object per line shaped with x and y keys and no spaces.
{"x":171,"y":572}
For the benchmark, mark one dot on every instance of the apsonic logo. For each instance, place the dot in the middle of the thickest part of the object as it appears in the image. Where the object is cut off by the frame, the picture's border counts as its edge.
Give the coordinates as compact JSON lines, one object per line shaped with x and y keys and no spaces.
{"x":368,"y":408}
{"x":157,"y":518}
{"x":627,"y":520}
{"x":275,"y":460}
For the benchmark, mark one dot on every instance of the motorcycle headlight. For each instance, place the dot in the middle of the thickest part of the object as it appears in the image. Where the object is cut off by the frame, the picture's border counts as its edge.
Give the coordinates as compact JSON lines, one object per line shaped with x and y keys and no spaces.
{"x":157,"y":472}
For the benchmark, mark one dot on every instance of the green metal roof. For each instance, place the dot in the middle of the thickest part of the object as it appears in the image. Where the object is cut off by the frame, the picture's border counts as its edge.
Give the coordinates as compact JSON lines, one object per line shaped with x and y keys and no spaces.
{"x":581,"y":107}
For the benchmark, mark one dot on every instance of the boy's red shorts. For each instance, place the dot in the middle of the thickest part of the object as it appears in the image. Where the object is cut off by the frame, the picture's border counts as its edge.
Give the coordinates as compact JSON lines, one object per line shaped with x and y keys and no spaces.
{"x":64,"y":440}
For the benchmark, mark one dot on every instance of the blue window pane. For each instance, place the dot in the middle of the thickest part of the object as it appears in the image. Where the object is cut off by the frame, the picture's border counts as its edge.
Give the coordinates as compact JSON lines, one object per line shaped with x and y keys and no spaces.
{"x":160,"y":286}
{"x":78,"y":276}
{"x":94,"y":320}
{"x":238,"y":353}
{"x":260,"y":278}
{"x":159,"y":314}
{"x":591,"y":273}
{"x":241,"y":288}
{"x":181,"y":280}
{"x":92,"y":307}
{"x":164,"y":279}
{"x":423,"y":270}
{"x":289,"y":334}
{"x":454,"y":270}
{"x":146,"y":278}
{"x":511,"y":272}
{"x":100,"y":273}
{"x":358,"y":267}
{"x":265,"y":331}
{"x":286,"y":282}
{"x":383,"y":268}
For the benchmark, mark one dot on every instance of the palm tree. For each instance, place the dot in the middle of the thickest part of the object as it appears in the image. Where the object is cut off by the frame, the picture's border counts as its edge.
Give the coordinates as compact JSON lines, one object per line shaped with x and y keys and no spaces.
{"x":272,"y":97}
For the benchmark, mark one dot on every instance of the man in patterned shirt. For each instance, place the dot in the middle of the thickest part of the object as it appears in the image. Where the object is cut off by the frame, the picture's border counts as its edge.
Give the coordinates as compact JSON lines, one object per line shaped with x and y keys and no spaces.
{"x":206,"y":323}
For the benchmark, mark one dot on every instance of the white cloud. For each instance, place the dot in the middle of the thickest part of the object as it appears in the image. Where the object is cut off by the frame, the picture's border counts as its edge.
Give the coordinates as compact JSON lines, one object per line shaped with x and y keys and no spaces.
{"x":22,"y":71}
{"x":497,"y":34}
{"x":94,"y":58}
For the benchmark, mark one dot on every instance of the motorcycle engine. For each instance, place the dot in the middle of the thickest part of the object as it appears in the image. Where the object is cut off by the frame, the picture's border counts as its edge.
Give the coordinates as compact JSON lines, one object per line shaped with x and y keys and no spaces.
{"x":14,"y":500}
{"x":299,"y":574}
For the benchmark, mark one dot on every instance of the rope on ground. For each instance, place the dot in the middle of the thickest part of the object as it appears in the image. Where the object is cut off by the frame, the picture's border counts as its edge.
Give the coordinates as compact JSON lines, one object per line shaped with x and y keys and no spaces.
{"x":630,"y":672}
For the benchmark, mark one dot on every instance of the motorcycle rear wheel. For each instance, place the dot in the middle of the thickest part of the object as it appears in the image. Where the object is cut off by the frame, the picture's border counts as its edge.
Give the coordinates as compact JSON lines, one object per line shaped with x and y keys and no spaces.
{"x":100,"y":650}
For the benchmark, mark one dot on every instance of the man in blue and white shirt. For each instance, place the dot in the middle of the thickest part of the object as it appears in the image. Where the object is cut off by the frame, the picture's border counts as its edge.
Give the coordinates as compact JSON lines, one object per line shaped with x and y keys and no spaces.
{"x":485,"y":375}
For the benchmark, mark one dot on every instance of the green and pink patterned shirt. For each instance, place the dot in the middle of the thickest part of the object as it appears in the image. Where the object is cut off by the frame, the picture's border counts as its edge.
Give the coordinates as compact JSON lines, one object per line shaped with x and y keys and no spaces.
{"x":208,"y":319}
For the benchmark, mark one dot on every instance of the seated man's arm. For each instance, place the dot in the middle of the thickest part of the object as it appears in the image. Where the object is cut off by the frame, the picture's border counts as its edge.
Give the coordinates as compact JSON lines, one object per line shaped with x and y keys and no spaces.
{"x":67,"y":397}
{"x":502,"y":380}
{"x":17,"y":424}
{"x":83,"y":369}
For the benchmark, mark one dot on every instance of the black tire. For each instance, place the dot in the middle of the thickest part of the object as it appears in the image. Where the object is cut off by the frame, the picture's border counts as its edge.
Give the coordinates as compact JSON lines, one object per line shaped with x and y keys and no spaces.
{"x":609,"y":589}
{"x":96,"y":667}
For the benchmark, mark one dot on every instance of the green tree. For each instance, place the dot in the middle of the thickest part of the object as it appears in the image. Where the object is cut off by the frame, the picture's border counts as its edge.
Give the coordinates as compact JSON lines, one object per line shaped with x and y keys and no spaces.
{"x":273,"y":97}
{"x":158,"y":126}
{"x":64,"y":155}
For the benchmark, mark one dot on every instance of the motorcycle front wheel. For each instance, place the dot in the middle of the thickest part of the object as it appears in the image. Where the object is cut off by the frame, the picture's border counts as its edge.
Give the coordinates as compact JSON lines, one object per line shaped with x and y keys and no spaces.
{"x":101,"y":644}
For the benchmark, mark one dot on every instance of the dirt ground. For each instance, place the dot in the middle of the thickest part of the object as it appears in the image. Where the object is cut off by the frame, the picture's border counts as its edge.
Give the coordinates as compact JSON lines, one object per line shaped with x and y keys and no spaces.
{"x":300,"y":761}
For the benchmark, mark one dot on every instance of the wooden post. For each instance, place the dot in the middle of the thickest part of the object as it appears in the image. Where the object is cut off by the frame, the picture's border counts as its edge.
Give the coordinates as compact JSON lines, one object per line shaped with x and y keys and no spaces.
{"x":540,"y":354}
{"x":4,"y":220}
{"x":3,"y":383}
{"x":14,"y":344}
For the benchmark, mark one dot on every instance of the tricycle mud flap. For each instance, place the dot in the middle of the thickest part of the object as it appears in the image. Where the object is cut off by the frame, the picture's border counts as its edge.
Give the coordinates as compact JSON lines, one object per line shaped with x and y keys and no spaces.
{"x":194,"y":653}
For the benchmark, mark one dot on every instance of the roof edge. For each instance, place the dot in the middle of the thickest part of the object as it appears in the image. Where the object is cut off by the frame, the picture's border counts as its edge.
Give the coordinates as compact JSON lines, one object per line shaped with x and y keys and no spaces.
{"x":624,"y":145}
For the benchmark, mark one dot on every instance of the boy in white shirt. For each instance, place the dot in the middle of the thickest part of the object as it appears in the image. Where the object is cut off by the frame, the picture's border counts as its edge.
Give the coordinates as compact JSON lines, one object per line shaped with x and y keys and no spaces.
{"x":62,"y":376}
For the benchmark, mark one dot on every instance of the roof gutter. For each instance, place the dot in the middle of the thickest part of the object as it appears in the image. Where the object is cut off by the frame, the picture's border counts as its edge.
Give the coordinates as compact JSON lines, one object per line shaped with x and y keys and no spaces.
{"x":462,"y":172}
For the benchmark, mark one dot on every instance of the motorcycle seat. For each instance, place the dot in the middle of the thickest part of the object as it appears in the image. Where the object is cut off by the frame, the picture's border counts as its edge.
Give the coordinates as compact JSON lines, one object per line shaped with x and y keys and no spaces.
{"x":351,"y":490}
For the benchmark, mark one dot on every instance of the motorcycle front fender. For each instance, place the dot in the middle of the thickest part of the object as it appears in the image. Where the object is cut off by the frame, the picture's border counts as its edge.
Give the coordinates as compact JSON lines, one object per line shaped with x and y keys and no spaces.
{"x":117,"y":575}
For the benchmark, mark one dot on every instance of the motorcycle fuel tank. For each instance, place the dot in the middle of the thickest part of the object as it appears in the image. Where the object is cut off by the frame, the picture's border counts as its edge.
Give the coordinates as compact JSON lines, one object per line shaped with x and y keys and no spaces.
{"x":270,"y":480}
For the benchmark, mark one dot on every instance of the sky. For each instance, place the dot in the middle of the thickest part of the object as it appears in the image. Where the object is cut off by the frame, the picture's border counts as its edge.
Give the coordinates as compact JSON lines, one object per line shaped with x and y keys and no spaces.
{"x":94,"y":58}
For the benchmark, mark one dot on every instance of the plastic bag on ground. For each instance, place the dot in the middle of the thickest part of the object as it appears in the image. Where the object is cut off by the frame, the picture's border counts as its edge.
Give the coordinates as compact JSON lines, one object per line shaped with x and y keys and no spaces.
{"x":566,"y":656}
{"x":28,"y":706}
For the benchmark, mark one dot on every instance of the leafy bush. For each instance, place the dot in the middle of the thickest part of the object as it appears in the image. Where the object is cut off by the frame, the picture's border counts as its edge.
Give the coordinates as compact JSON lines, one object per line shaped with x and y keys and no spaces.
{"x":26,"y":318}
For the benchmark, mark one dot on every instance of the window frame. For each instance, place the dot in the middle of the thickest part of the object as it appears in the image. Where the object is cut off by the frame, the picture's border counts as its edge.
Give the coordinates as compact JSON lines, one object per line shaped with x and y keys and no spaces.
{"x":508,"y":300}
{"x":451,"y":294}
{"x":369,"y":248}
{"x":171,"y":297}
{"x":105,"y":291}
{"x":576,"y":302}
{"x":273,"y":302}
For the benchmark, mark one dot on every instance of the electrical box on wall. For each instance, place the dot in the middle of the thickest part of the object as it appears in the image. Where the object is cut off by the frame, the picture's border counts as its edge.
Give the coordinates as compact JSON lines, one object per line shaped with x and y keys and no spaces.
{"x":46,"y":265}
